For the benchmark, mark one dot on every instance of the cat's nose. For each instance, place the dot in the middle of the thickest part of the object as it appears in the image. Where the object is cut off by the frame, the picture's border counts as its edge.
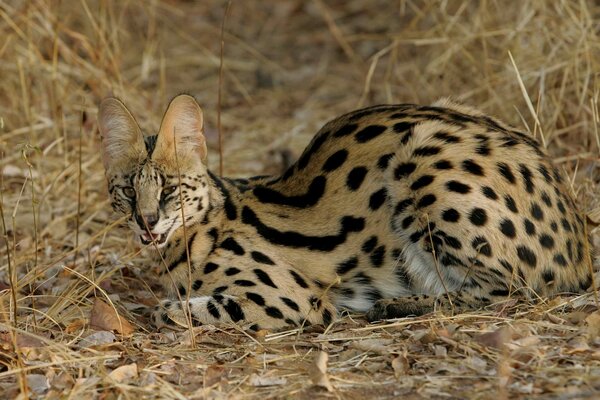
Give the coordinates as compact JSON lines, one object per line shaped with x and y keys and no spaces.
{"x":150,"y":220}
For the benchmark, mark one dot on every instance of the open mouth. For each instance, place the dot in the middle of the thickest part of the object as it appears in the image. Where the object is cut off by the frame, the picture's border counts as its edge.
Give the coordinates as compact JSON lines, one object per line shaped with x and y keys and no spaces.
{"x":157,"y":238}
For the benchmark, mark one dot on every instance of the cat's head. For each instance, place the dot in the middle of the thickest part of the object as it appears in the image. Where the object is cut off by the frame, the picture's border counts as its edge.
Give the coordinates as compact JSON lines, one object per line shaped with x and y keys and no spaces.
{"x":157,"y":180}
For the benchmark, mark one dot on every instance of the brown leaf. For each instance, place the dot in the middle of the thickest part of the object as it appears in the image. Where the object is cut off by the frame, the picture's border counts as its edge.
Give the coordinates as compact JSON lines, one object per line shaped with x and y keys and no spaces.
{"x":593,"y":324}
{"x":400,"y":365}
{"x":213,"y":374}
{"x":318,"y":375}
{"x":104,"y":317}
{"x":124,"y":373}
{"x":23,"y":340}
{"x":496,"y":339}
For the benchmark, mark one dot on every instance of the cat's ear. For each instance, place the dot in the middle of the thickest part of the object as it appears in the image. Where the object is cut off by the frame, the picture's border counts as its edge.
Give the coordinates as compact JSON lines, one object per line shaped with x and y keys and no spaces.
{"x":122,"y":139}
{"x":182,"y":130}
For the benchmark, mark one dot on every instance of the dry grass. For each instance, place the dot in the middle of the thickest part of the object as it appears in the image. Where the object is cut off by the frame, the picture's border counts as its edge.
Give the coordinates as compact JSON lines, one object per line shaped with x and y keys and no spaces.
{"x":288,"y":66}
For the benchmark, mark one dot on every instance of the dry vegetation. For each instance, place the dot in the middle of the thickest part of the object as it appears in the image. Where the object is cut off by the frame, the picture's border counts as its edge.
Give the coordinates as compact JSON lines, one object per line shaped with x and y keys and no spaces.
{"x":288,"y":67}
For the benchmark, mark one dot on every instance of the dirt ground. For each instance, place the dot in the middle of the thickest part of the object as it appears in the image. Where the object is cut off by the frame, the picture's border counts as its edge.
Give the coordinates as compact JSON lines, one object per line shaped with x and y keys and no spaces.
{"x":67,"y":265}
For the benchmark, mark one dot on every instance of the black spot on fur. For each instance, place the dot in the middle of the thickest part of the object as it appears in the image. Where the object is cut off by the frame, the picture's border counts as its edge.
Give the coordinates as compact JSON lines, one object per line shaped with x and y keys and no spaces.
{"x":210,"y":267}
{"x":256,"y":298}
{"x":294,"y":239}
{"x":345,"y":130}
{"x":290,"y":303}
{"x":506,"y":172}
{"x":527,"y":255}
{"x":422,"y":182}
{"x":406,"y":222}
{"x":544,"y":171}
{"x":508,"y":228}
{"x":425,"y":151}
{"x":369,"y":133}
{"x":298,"y":279}
{"x":458,"y":187}
{"x":565,"y":224}
{"x":529,"y":227}
{"x":426,"y":200}
{"x":404,"y":169}
{"x":274,"y":312}
{"x":536,"y":212}
{"x":264,"y":277}
{"x":315,"y":191}
{"x":546,"y":199}
{"x":213,"y":310}
{"x":450,"y":215}
{"x":442,"y":165}
{"x":527,"y":177}
{"x":402,"y":205}
{"x":384,"y":160}
{"x":510,"y":203}
{"x":234,"y":311}
{"x":326,"y":317}
{"x":507,"y":266}
{"x":197,"y":284}
{"x":377,"y":199}
{"x":472,"y":167}
{"x":561,"y":207}
{"x":232,"y":271}
{"x":402,"y":127}
{"x":347,"y":265}
{"x":482,"y":246}
{"x":446,"y":137}
{"x":232,"y":245}
{"x":546,"y":241}
{"x":548,"y":275}
{"x":452,"y":241}
{"x":244,"y":283}
{"x":369,"y":244}
{"x":335,"y":160}
{"x":355,"y":178}
{"x":377,"y":256}
{"x":489,"y":193}
{"x":478,"y":216}
{"x":261,"y":258}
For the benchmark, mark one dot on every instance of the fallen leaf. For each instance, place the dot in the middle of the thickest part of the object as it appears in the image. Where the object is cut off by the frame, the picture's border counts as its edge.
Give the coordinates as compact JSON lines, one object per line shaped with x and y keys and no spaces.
{"x":496,"y":339}
{"x":213,"y":374}
{"x":97,"y":339}
{"x":263,"y":380}
{"x":23,"y":340}
{"x":38,"y":383}
{"x":400,"y":365}
{"x":104,"y":317}
{"x":440,"y":351}
{"x":318,"y":375}
{"x":380,"y":346}
{"x":123,"y":373}
{"x":593,"y":324}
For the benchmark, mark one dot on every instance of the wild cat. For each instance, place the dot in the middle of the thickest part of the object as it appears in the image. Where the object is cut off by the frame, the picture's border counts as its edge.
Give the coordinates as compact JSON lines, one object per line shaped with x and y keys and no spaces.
{"x":391,"y":210}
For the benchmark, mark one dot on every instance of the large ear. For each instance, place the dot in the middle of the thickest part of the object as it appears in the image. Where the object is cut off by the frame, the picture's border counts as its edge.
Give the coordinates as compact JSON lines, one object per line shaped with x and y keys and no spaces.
{"x":181,"y":129}
{"x":122,"y":140}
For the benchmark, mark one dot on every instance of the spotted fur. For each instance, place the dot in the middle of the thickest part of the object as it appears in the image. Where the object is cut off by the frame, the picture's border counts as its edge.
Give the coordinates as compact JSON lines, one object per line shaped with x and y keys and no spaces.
{"x":391,"y":209}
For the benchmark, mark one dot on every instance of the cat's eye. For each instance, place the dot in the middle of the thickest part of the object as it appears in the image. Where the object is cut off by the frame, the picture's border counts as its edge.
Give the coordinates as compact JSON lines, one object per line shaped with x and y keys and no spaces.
{"x":129,"y":192}
{"x":168,"y":190}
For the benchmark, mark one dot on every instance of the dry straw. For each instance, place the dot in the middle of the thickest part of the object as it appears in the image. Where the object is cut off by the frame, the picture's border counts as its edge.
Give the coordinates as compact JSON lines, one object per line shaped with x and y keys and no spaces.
{"x":287,"y":67}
